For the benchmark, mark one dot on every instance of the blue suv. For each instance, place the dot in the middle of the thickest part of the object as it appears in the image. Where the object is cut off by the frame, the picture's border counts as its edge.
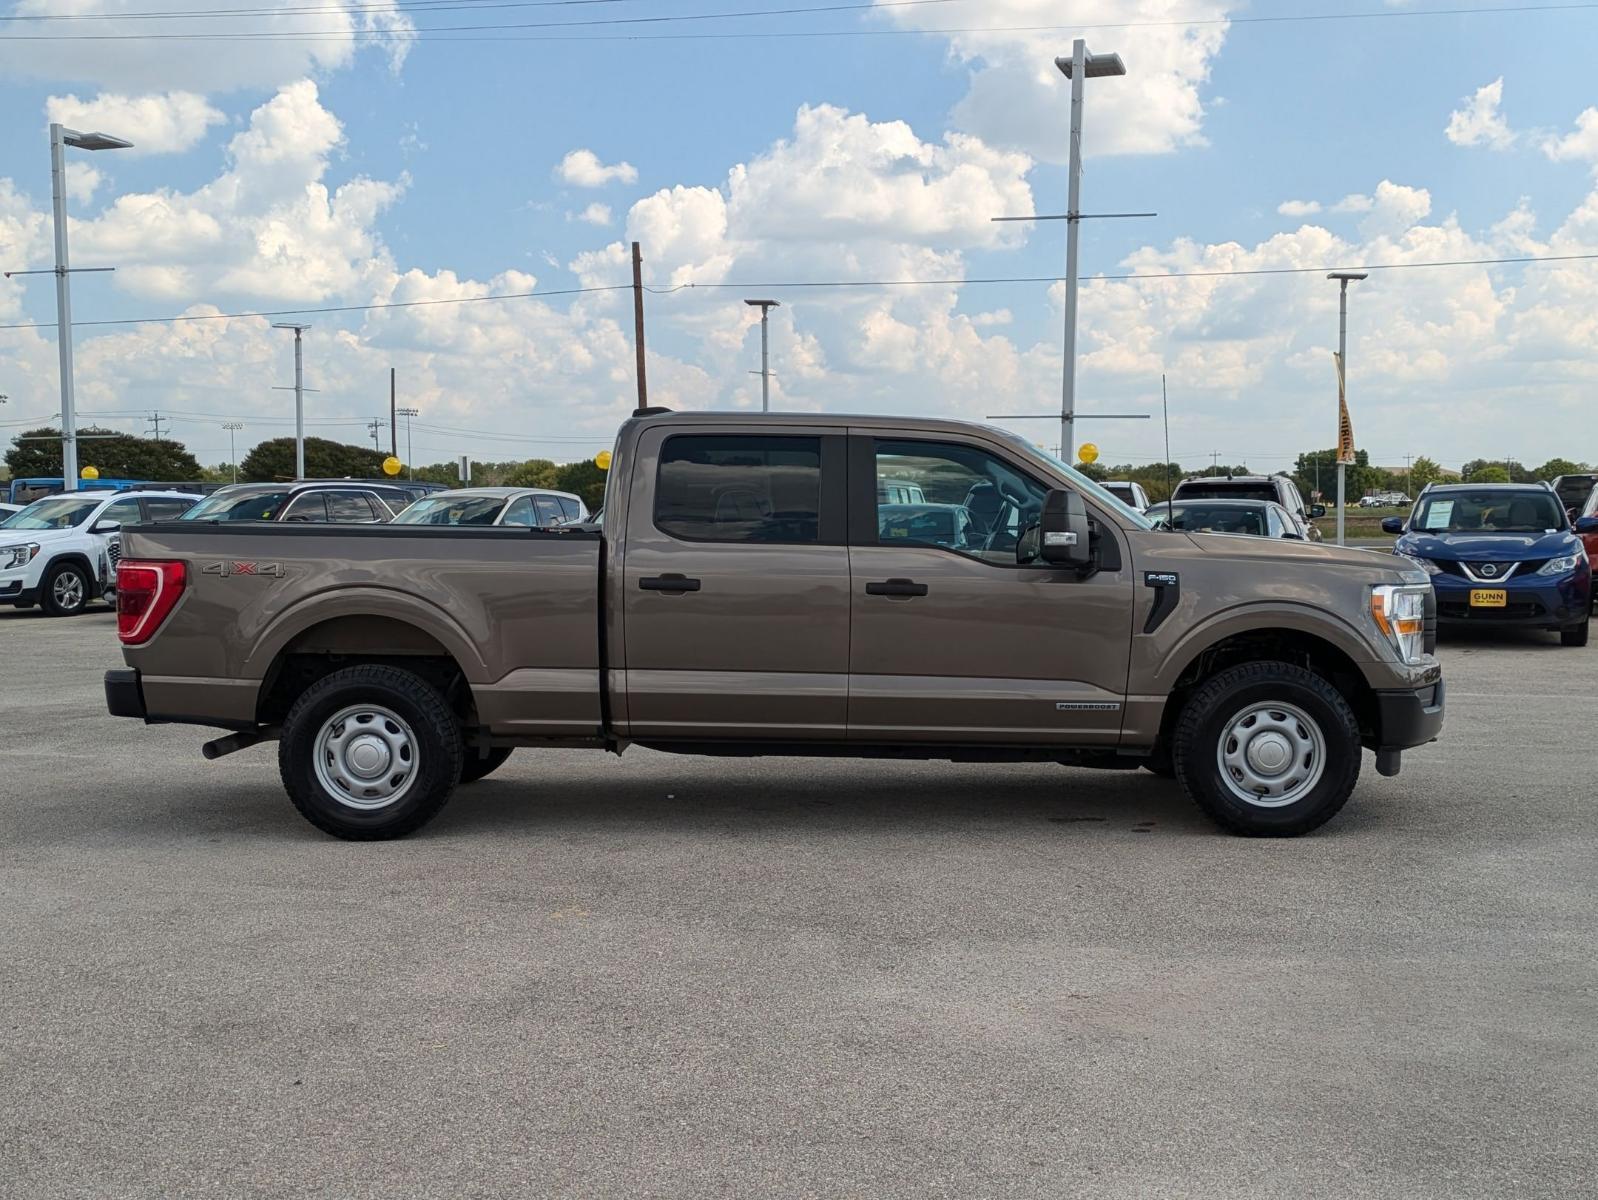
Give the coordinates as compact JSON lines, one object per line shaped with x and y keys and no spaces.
{"x":1500,"y":554}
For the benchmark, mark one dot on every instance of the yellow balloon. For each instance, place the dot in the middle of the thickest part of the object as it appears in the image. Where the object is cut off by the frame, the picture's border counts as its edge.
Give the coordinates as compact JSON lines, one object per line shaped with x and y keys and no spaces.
{"x":1089,"y":453}
{"x":89,"y":473}
{"x":602,"y":460}
{"x":392,"y":465}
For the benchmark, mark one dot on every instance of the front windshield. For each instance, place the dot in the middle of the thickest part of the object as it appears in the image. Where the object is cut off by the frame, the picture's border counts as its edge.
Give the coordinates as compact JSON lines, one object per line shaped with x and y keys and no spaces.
{"x":1488,"y":511}
{"x":452,"y":510}
{"x":58,"y":512}
{"x":238,"y":506}
{"x":1086,"y":486}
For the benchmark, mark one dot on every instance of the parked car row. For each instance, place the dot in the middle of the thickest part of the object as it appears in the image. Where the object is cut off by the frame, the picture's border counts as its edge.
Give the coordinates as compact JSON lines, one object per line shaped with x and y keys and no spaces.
{"x":60,"y":552}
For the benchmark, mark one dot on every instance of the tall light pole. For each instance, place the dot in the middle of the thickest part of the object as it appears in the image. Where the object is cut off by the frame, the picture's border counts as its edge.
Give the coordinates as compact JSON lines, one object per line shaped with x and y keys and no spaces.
{"x":765,"y":307}
{"x":299,"y":395}
{"x":410,"y":463}
{"x":1345,"y":431}
{"x":60,"y":138}
{"x":233,"y":427}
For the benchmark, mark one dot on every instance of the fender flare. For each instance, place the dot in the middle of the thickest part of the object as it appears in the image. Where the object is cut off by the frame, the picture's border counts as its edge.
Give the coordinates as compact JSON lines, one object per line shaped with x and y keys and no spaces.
{"x":365,"y":601}
{"x":1326,"y":626}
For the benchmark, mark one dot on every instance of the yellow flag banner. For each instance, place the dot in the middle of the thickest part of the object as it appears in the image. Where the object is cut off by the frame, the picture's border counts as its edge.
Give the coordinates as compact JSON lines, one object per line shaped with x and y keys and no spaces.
{"x":1345,"y":427}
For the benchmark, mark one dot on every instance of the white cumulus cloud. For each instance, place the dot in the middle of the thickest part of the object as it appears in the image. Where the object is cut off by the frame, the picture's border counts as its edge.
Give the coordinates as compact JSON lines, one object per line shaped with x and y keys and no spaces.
{"x":583,"y":168}
{"x":1479,"y":122}
{"x":155,"y":124}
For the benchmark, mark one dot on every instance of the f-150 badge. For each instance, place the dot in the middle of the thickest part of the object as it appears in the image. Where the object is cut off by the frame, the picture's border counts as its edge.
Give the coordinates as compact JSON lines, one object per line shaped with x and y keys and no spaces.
{"x":232,"y":567}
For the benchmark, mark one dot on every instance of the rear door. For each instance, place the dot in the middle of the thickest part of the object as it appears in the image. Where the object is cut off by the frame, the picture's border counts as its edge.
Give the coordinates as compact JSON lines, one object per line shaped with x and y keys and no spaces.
{"x":957,"y":642}
{"x":735,"y":584}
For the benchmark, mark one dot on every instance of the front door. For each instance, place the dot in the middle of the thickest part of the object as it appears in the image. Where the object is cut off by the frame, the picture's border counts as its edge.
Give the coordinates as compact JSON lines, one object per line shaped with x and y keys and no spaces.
{"x":953,"y":640}
{"x":735,"y":585}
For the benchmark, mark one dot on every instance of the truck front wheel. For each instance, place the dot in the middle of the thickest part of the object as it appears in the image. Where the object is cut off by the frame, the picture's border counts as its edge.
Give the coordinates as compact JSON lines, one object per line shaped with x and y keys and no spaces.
{"x":65,"y":591}
{"x":1267,"y":749}
{"x":370,"y":752}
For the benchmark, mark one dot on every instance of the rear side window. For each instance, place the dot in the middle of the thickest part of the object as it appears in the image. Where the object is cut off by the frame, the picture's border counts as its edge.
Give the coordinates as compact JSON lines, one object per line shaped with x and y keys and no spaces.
{"x":349,"y":506}
{"x":307,"y":506}
{"x":548,"y":511}
{"x":725,"y":488}
{"x":166,"y":510}
{"x":569,"y":508}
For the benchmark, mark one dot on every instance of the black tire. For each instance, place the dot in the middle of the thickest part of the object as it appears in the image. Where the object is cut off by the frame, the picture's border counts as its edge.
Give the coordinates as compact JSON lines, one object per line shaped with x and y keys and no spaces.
{"x":1576,"y":636}
{"x":333,"y":798}
{"x":1209,"y":717}
{"x":477,"y":763}
{"x":72,"y":581}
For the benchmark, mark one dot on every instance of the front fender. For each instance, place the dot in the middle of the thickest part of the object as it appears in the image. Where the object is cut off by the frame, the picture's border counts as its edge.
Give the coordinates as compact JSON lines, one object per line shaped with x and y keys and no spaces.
{"x":1168,"y":663}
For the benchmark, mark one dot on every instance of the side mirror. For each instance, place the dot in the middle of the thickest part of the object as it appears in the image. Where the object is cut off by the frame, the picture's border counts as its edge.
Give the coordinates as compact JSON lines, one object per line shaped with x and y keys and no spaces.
{"x":1064,"y":529}
{"x":1587,"y":525}
{"x":1392,"y":524}
{"x":1317,"y":510}
{"x":106,"y":527}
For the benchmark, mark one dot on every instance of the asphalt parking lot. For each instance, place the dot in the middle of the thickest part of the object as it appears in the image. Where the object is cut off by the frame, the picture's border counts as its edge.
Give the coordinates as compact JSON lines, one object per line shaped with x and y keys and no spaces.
{"x":658,"y":976}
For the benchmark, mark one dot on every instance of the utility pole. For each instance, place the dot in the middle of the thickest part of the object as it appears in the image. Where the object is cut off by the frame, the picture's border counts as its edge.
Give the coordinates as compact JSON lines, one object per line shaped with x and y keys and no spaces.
{"x":765,"y":307}
{"x":1165,"y":407}
{"x":232,"y":427}
{"x":1409,"y":460}
{"x":156,"y":420}
{"x":393,"y":429}
{"x":638,"y":325}
{"x":1215,"y":461}
{"x":372,"y":427}
{"x":410,"y":463}
{"x":299,"y":395}
{"x":1345,"y":428}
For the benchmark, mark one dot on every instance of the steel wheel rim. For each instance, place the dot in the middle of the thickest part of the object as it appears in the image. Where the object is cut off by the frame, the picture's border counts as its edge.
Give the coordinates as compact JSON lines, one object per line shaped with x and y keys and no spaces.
{"x":365,"y":757}
{"x":68,"y":590}
{"x":1271,"y":755}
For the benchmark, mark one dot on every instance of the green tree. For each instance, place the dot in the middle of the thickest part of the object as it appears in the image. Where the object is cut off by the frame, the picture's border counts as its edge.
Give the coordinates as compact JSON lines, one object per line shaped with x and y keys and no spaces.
{"x":1317,"y":469}
{"x":584,"y":479}
{"x":1095,"y":471}
{"x":1486,"y":473}
{"x":534,"y":473}
{"x":114,"y":455}
{"x":274,"y":460}
{"x":1422,"y":472}
{"x":1555,"y":467}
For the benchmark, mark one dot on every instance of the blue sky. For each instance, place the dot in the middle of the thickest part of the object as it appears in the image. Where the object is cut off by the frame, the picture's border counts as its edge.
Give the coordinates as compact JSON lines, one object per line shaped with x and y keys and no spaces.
{"x":450,"y":154}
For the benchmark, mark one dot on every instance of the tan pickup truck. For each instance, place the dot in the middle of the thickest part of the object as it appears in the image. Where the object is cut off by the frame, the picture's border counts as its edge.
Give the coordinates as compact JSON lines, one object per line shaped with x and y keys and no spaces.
{"x":793,"y":585}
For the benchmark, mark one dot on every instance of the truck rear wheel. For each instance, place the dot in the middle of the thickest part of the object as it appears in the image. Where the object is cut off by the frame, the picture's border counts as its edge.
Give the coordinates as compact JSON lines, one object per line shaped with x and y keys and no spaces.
{"x":370,"y":752}
{"x":1267,"y":749}
{"x":475,"y":764}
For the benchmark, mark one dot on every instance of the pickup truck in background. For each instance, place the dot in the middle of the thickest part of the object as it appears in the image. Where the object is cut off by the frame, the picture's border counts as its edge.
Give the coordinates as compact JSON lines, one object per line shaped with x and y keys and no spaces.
{"x":746,"y":597}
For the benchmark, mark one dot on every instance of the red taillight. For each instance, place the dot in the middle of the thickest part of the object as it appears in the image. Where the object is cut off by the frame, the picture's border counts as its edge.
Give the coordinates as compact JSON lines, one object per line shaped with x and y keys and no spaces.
{"x":146,"y":593}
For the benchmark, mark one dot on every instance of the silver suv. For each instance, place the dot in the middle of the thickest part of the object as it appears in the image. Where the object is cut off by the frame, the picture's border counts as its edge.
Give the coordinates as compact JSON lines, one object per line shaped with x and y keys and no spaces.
{"x":1279,"y":488}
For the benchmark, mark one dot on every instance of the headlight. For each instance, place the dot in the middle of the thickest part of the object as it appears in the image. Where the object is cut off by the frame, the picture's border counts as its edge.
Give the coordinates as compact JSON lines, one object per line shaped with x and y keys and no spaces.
{"x":1558,"y":566}
{"x":17,"y":556}
{"x":1400,"y":614}
{"x":1425,"y":564}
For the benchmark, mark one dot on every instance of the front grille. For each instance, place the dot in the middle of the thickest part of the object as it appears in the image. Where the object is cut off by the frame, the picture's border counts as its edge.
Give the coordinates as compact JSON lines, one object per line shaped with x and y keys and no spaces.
{"x":114,"y":553}
{"x":1454,"y":610}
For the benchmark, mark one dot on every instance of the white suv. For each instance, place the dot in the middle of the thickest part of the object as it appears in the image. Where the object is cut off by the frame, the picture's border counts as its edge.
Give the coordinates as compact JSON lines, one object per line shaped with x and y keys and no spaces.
{"x":60,"y":552}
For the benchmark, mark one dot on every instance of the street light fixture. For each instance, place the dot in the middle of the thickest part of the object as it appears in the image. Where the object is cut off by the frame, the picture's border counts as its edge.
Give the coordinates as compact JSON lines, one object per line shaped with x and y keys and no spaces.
{"x":233,"y":427}
{"x":1345,"y":431}
{"x":60,"y":138}
{"x":765,"y":307}
{"x":299,"y":395}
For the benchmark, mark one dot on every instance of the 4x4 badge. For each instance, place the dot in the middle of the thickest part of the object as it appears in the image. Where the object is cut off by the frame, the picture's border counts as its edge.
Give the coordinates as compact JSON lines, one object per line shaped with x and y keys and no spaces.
{"x":235,"y":567}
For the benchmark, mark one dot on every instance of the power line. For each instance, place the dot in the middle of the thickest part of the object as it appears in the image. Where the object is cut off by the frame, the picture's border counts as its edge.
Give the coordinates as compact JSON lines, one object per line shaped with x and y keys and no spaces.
{"x":832,"y":283}
{"x":336,"y":308}
{"x":415,"y":33}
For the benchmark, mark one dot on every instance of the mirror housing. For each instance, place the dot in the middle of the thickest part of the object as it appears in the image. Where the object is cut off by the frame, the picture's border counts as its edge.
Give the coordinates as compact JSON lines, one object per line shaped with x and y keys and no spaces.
{"x":1317,"y":510}
{"x":1392,"y":524}
{"x":106,"y":527}
{"x":1586,"y":525}
{"x":1063,"y":530}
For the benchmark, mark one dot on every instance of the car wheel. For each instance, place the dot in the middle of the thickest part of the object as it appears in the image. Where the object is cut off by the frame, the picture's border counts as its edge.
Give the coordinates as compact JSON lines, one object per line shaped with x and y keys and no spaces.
{"x":1576,"y":636}
{"x":1267,"y":749}
{"x":370,"y":752}
{"x":476,"y":763}
{"x":65,"y":591}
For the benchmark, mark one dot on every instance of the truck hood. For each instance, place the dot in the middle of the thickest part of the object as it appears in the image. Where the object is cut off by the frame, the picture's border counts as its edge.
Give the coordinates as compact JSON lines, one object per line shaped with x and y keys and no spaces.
{"x":1285,"y":550}
{"x":1487,"y":547}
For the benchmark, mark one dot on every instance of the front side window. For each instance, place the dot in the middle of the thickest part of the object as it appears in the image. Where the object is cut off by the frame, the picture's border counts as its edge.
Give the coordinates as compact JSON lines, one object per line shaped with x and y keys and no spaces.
{"x":973,"y":502}
{"x":1488,"y":511}
{"x":520,"y":513}
{"x":123,"y":512}
{"x":724,"y":488}
{"x":569,"y":508}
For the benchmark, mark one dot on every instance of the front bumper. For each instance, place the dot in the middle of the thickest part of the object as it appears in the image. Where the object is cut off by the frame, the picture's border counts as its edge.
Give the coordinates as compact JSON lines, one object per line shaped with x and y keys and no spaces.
{"x":16,"y":591}
{"x":1533,"y":603}
{"x":123,"y":695}
{"x":1409,"y":718}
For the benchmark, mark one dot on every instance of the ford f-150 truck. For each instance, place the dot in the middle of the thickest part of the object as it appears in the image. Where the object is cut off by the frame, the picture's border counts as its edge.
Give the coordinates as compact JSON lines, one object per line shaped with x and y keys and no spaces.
{"x":752,"y":593}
